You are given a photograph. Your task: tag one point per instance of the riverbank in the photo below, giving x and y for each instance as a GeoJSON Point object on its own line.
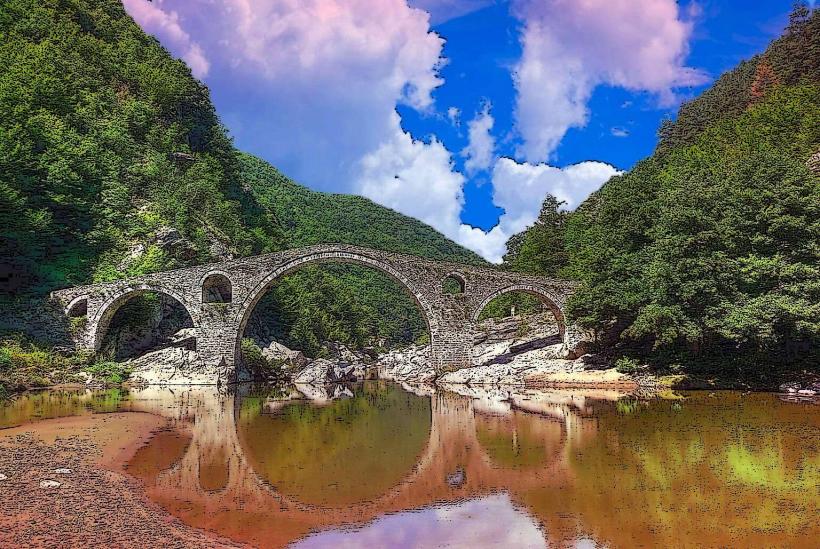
{"type": "Point", "coordinates": [63, 486]}
{"type": "Point", "coordinates": [519, 351]}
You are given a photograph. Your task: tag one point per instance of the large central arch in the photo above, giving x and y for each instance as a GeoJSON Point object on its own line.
{"type": "Point", "coordinates": [261, 289]}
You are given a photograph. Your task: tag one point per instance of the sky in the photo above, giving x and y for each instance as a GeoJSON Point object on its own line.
{"type": "Point", "coordinates": [461, 113]}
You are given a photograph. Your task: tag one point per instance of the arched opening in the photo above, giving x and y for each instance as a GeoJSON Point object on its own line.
{"type": "Point", "coordinates": [454, 284]}
{"type": "Point", "coordinates": [515, 321]}
{"type": "Point", "coordinates": [216, 288]}
{"type": "Point", "coordinates": [342, 307]}
{"type": "Point", "coordinates": [78, 308]}
{"type": "Point", "coordinates": [141, 321]}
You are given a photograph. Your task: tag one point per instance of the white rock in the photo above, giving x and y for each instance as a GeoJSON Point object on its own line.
{"type": "Point", "coordinates": [62, 471]}
{"type": "Point", "coordinates": [3, 477]}
{"type": "Point", "coordinates": [48, 483]}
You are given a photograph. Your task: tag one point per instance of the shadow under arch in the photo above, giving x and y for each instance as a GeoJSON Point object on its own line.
{"type": "Point", "coordinates": [546, 298]}
{"type": "Point", "coordinates": [102, 320]}
{"type": "Point", "coordinates": [246, 310]}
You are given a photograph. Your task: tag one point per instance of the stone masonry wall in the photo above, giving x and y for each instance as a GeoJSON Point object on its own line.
{"type": "Point", "coordinates": [219, 326]}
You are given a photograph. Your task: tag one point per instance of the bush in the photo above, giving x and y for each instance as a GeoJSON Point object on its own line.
{"type": "Point", "coordinates": [25, 364]}
{"type": "Point", "coordinates": [257, 365]}
{"type": "Point", "coordinates": [626, 365]}
{"type": "Point", "coordinates": [110, 372]}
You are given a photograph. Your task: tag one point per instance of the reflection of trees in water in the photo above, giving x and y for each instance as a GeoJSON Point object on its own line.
{"type": "Point", "coordinates": [54, 404]}
{"type": "Point", "coordinates": [739, 471]}
{"type": "Point", "coordinates": [735, 471]}
{"type": "Point", "coordinates": [349, 450]}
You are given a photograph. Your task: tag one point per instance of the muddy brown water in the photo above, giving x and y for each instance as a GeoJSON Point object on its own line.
{"type": "Point", "coordinates": [378, 465]}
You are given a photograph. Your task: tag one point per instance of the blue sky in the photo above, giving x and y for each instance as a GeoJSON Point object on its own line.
{"type": "Point", "coordinates": [462, 113]}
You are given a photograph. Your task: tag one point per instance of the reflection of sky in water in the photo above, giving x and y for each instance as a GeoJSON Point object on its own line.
{"type": "Point", "coordinates": [488, 521]}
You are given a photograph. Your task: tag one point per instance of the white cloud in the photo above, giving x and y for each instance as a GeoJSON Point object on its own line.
{"type": "Point", "coordinates": [569, 48]}
{"type": "Point", "coordinates": [166, 26]}
{"type": "Point", "coordinates": [480, 148]}
{"type": "Point", "coordinates": [617, 131]}
{"type": "Point", "coordinates": [454, 115]}
{"type": "Point", "coordinates": [520, 189]}
{"type": "Point", "coordinates": [324, 77]}
{"type": "Point", "coordinates": [416, 179]}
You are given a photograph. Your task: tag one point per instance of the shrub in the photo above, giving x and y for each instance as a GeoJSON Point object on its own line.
{"type": "Point", "coordinates": [110, 372]}
{"type": "Point", "coordinates": [626, 365]}
{"type": "Point", "coordinates": [259, 366]}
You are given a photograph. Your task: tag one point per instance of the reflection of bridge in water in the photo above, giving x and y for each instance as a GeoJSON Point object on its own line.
{"type": "Point", "coordinates": [479, 443]}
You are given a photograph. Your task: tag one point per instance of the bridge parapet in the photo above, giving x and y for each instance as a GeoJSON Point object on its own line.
{"type": "Point", "coordinates": [220, 323]}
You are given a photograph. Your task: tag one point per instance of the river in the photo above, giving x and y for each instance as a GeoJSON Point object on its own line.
{"type": "Point", "coordinates": [381, 465]}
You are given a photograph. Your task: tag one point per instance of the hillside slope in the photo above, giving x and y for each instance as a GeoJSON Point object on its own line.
{"type": "Point", "coordinates": [311, 217]}
{"type": "Point", "coordinates": [113, 163]}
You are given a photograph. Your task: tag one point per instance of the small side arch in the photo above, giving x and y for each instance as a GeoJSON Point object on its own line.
{"type": "Point", "coordinates": [548, 299]}
{"type": "Point", "coordinates": [100, 323]}
{"type": "Point", "coordinates": [454, 283]}
{"type": "Point", "coordinates": [78, 307]}
{"type": "Point", "coordinates": [216, 287]}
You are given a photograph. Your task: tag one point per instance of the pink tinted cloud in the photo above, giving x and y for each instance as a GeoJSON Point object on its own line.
{"type": "Point", "coordinates": [571, 46]}
{"type": "Point", "coordinates": [165, 25]}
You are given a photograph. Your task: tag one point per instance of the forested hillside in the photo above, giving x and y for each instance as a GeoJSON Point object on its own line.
{"type": "Point", "coordinates": [113, 163]}
{"type": "Point", "coordinates": [707, 254]}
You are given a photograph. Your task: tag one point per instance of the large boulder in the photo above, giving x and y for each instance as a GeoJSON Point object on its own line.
{"type": "Point", "coordinates": [172, 366]}
{"type": "Point", "coordinates": [323, 371]}
{"type": "Point", "coordinates": [413, 364]}
{"type": "Point", "coordinates": [294, 359]}
{"type": "Point", "coordinates": [171, 241]}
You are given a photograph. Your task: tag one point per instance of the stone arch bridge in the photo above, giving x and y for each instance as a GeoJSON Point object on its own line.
{"type": "Point", "coordinates": [220, 298]}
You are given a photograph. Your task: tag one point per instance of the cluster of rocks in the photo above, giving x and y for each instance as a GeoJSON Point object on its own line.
{"type": "Point", "coordinates": [795, 388]}
{"type": "Point", "coordinates": [342, 366]}
{"type": "Point", "coordinates": [511, 352]}
{"type": "Point", "coordinates": [413, 364]}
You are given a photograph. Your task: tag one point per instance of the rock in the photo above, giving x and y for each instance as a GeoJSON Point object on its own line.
{"type": "Point", "coordinates": [173, 366]}
{"type": "Point", "coordinates": [48, 484]}
{"type": "Point", "coordinates": [413, 365]}
{"type": "Point", "coordinates": [456, 478]}
{"type": "Point", "coordinates": [181, 157]}
{"type": "Point", "coordinates": [790, 387]}
{"type": "Point", "coordinates": [172, 242]}
{"type": "Point", "coordinates": [62, 471]}
{"type": "Point", "coordinates": [184, 339]}
{"type": "Point", "coordinates": [85, 377]}
{"type": "Point", "coordinates": [315, 373]}
{"type": "Point", "coordinates": [3, 477]}
{"type": "Point", "coordinates": [807, 392]}
{"type": "Point", "coordinates": [341, 373]}
{"type": "Point", "coordinates": [277, 351]}
{"type": "Point", "coordinates": [323, 371]}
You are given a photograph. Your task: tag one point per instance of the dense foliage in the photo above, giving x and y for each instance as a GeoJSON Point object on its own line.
{"type": "Point", "coordinates": [103, 139]}
{"type": "Point", "coordinates": [709, 251]}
